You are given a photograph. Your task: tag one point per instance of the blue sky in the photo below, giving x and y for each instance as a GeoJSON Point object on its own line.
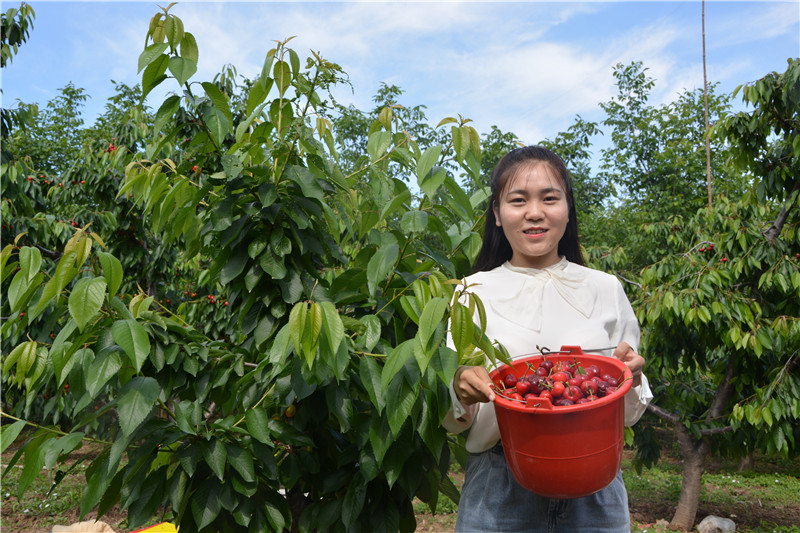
{"type": "Point", "coordinates": [526, 67]}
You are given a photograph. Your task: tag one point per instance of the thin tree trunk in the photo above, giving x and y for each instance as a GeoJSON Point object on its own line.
{"type": "Point", "coordinates": [694, 454]}
{"type": "Point", "coordinates": [705, 96]}
{"type": "Point", "coordinates": [746, 463]}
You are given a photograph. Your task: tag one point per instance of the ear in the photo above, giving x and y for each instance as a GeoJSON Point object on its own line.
{"type": "Point", "coordinates": [496, 212]}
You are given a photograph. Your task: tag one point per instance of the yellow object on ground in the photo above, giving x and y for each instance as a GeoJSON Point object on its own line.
{"type": "Point", "coordinates": [164, 527]}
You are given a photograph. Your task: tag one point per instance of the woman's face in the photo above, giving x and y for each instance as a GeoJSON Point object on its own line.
{"type": "Point", "coordinates": [532, 209]}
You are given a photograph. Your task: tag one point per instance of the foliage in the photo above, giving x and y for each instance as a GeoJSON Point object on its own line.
{"type": "Point", "coordinates": [720, 314]}
{"type": "Point", "coordinates": [15, 29]}
{"type": "Point", "coordinates": [312, 398]}
{"type": "Point", "coordinates": [656, 163]}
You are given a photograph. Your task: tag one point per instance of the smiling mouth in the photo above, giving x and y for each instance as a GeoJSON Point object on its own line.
{"type": "Point", "coordinates": [534, 231]}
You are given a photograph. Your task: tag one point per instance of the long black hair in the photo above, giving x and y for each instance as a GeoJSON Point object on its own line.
{"type": "Point", "coordinates": [495, 249]}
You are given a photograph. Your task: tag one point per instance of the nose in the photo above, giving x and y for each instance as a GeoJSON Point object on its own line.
{"type": "Point", "coordinates": [534, 210]}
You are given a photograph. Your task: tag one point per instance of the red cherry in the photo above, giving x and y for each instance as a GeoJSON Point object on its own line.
{"type": "Point", "coordinates": [588, 387]}
{"type": "Point", "coordinates": [509, 380]}
{"type": "Point", "coordinates": [573, 393]}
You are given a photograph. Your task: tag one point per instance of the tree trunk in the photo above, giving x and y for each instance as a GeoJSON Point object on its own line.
{"type": "Point", "coordinates": [694, 454]}
{"type": "Point", "coordinates": [746, 463]}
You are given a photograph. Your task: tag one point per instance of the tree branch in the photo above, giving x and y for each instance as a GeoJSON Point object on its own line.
{"type": "Point", "coordinates": [777, 226]}
{"type": "Point", "coordinates": [49, 253]}
{"type": "Point", "coordinates": [715, 431]}
{"type": "Point", "coordinates": [723, 392]}
{"type": "Point", "coordinates": [663, 413]}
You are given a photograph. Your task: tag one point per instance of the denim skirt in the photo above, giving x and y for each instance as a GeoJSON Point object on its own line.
{"type": "Point", "coordinates": [492, 502]}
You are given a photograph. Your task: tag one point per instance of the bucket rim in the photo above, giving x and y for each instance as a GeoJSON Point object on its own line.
{"type": "Point", "coordinates": [567, 352]}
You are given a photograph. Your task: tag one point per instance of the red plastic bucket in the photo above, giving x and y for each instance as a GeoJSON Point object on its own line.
{"type": "Point", "coordinates": [567, 451]}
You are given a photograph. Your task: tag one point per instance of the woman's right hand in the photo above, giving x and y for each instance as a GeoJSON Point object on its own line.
{"type": "Point", "coordinates": [472, 384]}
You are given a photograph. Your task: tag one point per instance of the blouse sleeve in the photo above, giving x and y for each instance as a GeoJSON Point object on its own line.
{"type": "Point", "coordinates": [627, 330]}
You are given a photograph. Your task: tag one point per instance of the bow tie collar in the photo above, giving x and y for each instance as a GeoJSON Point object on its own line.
{"type": "Point", "coordinates": [524, 306]}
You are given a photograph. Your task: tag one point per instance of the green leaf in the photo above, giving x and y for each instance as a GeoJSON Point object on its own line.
{"type": "Point", "coordinates": [189, 48]}
{"type": "Point", "coordinates": [22, 352]}
{"type": "Point", "coordinates": [30, 261]}
{"type": "Point", "coordinates": [182, 68]}
{"type": "Point", "coordinates": [461, 328]}
{"type": "Point", "coordinates": [16, 290]}
{"type": "Point", "coordinates": [257, 421]}
{"type": "Point", "coordinates": [173, 29]}
{"type": "Point", "coordinates": [105, 366]}
{"type": "Point", "coordinates": [426, 162]}
{"type": "Point", "coordinates": [373, 332]}
{"type": "Point", "coordinates": [218, 124]}
{"type": "Point", "coordinates": [282, 75]}
{"type": "Point", "coordinates": [166, 112]}
{"type": "Point", "coordinates": [215, 455]}
{"type": "Point", "coordinates": [370, 376]}
{"type": "Point", "coordinates": [395, 361]}
{"type": "Point", "coordinates": [219, 99]}
{"type": "Point", "coordinates": [234, 267]}
{"type": "Point", "coordinates": [401, 396]}
{"type": "Point", "coordinates": [245, 124]}
{"type": "Point", "coordinates": [397, 201]}
{"type": "Point", "coordinates": [188, 416]}
{"type": "Point", "coordinates": [255, 98]}
{"type": "Point", "coordinates": [414, 222]}
{"type": "Point", "coordinates": [241, 460]}
{"type": "Point", "coordinates": [377, 144]}
{"type": "Point", "coordinates": [206, 503]}
{"type": "Point", "coordinates": [430, 319]}
{"type": "Point", "coordinates": [34, 461]}
{"type": "Point", "coordinates": [150, 54]}
{"type": "Point", "coordinates": [112, 272]}
{"type": "Point", "coordinates": [86, 299]}
{"type": "Point", "coordinates": [132, 337]}
{"type": "Point", "coordinates": [381, 264]}
{"type": "Point", "coordinates": [432, 181]}
{"type": "Point", "coordinates": [353, 501]}
{"type": "Point", "coordinates": [154, 74]}
{"type": "Point", "coordinates": [334, 328]}
{"type": "Point", "coordinates": [135, 403]}
{"type": "Point", "coordinates": [9, 433]}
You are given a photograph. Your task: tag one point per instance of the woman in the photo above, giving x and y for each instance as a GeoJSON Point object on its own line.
{"type": "Point", "coordinates": [532, 280]}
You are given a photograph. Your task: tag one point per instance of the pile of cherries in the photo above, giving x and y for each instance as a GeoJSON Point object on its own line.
{"type": "Point", "coordinates": [562, 382]}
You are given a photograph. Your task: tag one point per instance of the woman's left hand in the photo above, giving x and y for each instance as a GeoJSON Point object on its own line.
{"type": "Point", "coordinates": [625, 353]}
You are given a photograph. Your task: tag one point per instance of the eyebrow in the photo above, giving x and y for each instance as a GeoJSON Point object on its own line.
{"type": "Point", "coordinates": [548, 190]}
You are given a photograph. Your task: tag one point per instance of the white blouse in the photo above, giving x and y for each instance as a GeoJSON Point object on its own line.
{"type": "Point", "coordinates": [564, 304]}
